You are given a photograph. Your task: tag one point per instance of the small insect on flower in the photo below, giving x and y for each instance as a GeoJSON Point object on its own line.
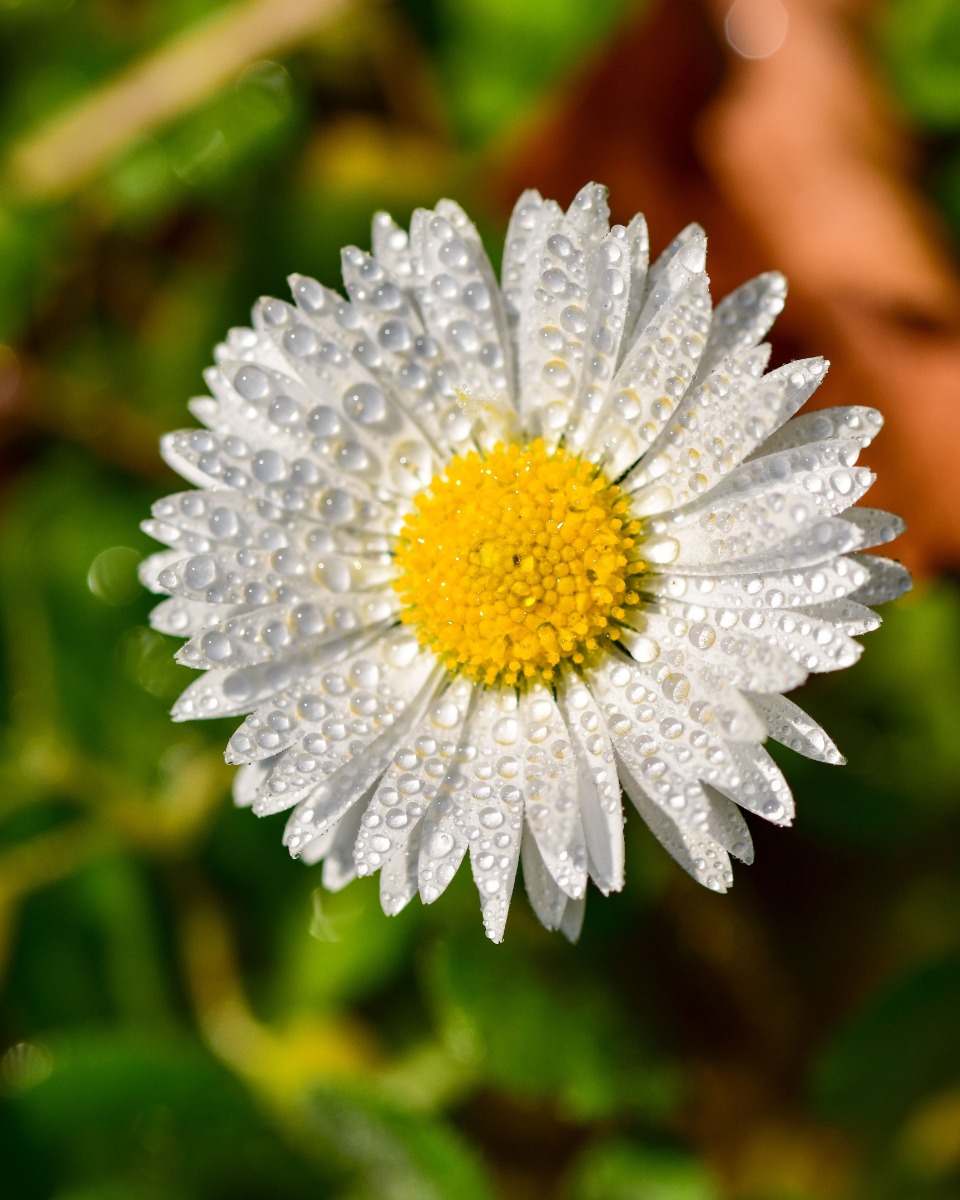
{"type": "Point", "coordinates": [473, 558]}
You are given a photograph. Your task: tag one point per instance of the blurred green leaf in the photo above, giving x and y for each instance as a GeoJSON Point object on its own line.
{"type": "Point", "coordinates": [628, 1171]}
{"type": "Point", "coordinates": [536, 1024]}
{"type": "Point", "coordinates": [64, 546]}
{"type": "Point", "coordinates": [531, 44]}
{"type": "Point", "coordinates": [391, 1154]}
{"type": "Point", "coordinates": [920, 40]}
{"type": "Point", "coordinates": [207, 148]}
{"type": "Point", "coordinates": [342, 948]}
{"type": "Point", "coordinates": [902, 1043]}
{"type": "Point", "coordinates": [99, 927]}
{"type": "Point", "coordinates": [119, 1111]}
{"type": "Point", "coordinates": [31, 242]}
{"type": "Point", "coordinates": [119, 1190]}
{"type": "Point", "coordinates": [891, 711]}
{"type": "Point", "coordinates": [945, 187]}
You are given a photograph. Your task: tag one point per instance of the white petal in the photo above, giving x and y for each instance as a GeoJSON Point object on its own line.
{"type": "Point", "coordinates": [550, 785]}
{"type": "Point", "coordinates": [313, 851]}
{"type": "Point", "coordinates": [682, 262]}
{"type": "Point", "coordinates": [185, 618]}
{"type": "Point", "coordinates": [638, 239]}
{"type": "Point", "coordinates": [442, 844]}
{"type": "Point", "coordinates": [289, 485]}
{"type": "Point", "coordinates": [655, 373]}
{"type": "Point", "coordinates": [525, 233]}
{"type": "Point", "coordinates": [757, 655]}
{"type": "Point", "coordinates": [817, 645]}
{"type": "Point", "coordinates": [875, 526]}
{"type": "Point", "coordinates": [461, 302]}
{"type": "Point", "coordinates": [403, 355]}
{"type": "Point", "coordinates": [329, 352]}
{"type": "Point", "coordinates": [753, 536]}
{"type": "Point", "coordinates": [758, 662]}
{"type": "Point", "coordinates": [493, 824]}
{"type": "Point", "coordinates": [688, 455]}
{"type": "Point", "coordinates": [824, 471]}
{"type": "Point", "coordinates": [472, 798]}
{"type": "Point", "coordinates": [420, 764]}
{"type": "Point", "coordinates": [279, 630]}
{"type": "Point", "coordinates": [245, 576]}
{"type": "Point", "coordinates": [852, 422]}
{"type": "Point", "coordinates": [885, 579]}
{"type": "Point", "coordinates": [399, 876]}
{"type": "Point", "coordinates": [698, 854]}
{"type": "Point", "coordinates": [282, 720]}
{"type": "Point", "coordinates": [338, 865]}
{"type": "Point", "coordinates": [546, 898]}
{"type": "Point", "coordinates": [599, 791]}
{"type": "Point", "coordinates": [847, 615]}
{"type": "Point", "coordinates": [608, 294]}
{"type": "Point", "coordinates": [155, 565]}
{"type": "Point", "coordinates": [712, 702]}
{"type": "Point", "coordinates": [373, 706]}
{"type": "Point", "coordinates": [480, 808]}
{"type": "Point", "coordinates": [328, 803]}
{"type": "Point", "coordinates": [271, 408]}
{"type": "Point", "coordinates": [552, 329]}
{"type": "Point", "coordinates": [721, 422]}
{"type": "Point", "coordinates": [791, 726]}
{"type": "Point", "coordinates": [762, 788]}
{"type": "Point", "coordinates": [668, 739]}
{"type": "Point", "coordinates": [249, 344]}
{"type": "Point", "coordinates": [391, 245]}
{"type": "Point", "coordinates": [742, 319]}
{"type": "Point", "coordinates": [247, 782]}
{"type": "Point", "coordinates": [571, 925]}
{"type": "Point", "coordinates": [589, 215]}
{"type": "Point", "coordinates": [725, 824]}
{"type": "Point", "coordinates": [275, 726]}
{"type": "Point", "coordinates": [796, 586]}
{"type": "Point", "coordinates": [230, 693]}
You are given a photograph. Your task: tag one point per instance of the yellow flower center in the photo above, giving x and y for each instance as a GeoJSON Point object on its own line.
{"type": "Point", "coordinates": [513, 561]}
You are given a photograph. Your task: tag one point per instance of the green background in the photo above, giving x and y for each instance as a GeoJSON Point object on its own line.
{"type": "Point", "coordinates": [184, 1013]}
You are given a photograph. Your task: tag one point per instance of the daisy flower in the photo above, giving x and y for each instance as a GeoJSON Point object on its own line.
{"type": "Point", "coordinates": [472, 558]}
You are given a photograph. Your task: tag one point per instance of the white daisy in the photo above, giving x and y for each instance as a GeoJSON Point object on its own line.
{"type": "Point", "coordinates": [474, 558]}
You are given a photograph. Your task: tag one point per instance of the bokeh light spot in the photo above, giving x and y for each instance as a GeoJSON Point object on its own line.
{"type": "Point", "coordinates": [756, 28]}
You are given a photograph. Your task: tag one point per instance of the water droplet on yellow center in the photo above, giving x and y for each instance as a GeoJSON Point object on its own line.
{"type": "Point", "coordinates": [512, 562]}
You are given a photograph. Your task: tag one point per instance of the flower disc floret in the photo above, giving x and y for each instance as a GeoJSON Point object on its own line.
{"type": "Point", "coordinates": [514, 561]}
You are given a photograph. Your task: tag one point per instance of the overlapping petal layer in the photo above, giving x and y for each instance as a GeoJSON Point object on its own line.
{"type": "Point", "coordinates": [330, 416]}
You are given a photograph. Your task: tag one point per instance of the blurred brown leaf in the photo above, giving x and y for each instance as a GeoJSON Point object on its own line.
{"type": "Point", "coordinates": [796, 161]}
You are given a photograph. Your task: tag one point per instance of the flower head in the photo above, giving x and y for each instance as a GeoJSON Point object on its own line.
{"type": "Point", "coordinates": [472, 559]}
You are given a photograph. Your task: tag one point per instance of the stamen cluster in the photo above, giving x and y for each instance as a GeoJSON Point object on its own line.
{"type": "Point", "coordinates": [513, 561]}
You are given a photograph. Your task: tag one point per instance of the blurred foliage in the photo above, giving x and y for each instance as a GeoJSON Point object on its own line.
{"type": "Point", "coordinates": [184, 1013]}
{"type": "Point", "coordinates": [919, 44]}
{"type": "Point", "coordinates": [921, 40]}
